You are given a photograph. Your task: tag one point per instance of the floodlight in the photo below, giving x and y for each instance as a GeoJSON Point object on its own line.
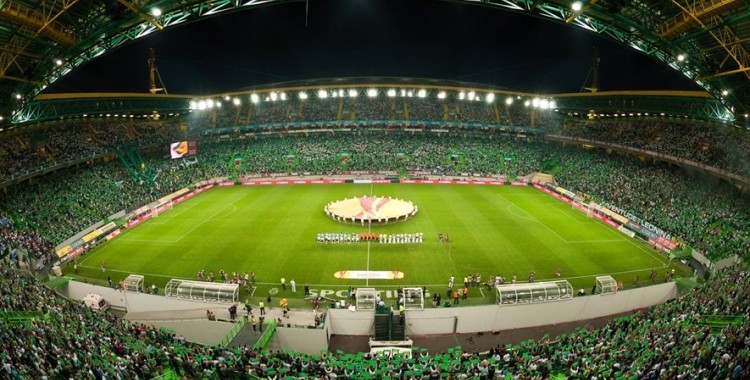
{"type": "Point", "coordinates": [322, 94]}
{"type": "Point", "coordinates": [1, 118]}
{"type": "Point", "coordinates": [236, 101]}
{"type": "Point", "coordinates": [209, 103]}
{"type": "Point", "coordinates": [441, 95]}
{"type": "Point", "coordinates": [58, 62]}
{"type": "Point", "coordinates": [283, 96]}
{"type": "Point", "coordinates": [535, 102]}
{"type": "Point", "coordinates": [461, 95]}
{"type": "Point", "coordinates": [725, 92]}
{"type": "Point", "coordinates": [391, 93]}
{"type": "Point", "coordinates": [372, 93]}
{"type": "Point", "coordinates": [410, 93]}
{"type": "Point", "coordinates": [681, 57]}
{"type": "Point", "coordinates": [334, 94]}
{"type": "Point", "coordinates": [18, 96]}
{"type": "Point", "coordinates": [156, 12]}
{"type": "Point", "coordinates": [576, 6]}
{"type": "Point", "coordinates": [341, 93]}
{"type": "Point", "coordinates": [353, 93]}
{"type": "Point", "coordinates": [544, 104]}
{"type": "Point", "coordinates": [403, 93]}
{"type": "Point", "coordinates": [274, 96]}
{"type": "Point", "coordinates": [302, 95]}
{"type": "Point", "coordinates": [254, 98]}
{"type": "Point", "coordinates": [193, 104]}
{"type": "Point", "coordinates": [201, 105]}
{"type": "Point", "coordinates": [552, 104]}
{"type": "Point", "coordinates": [471, 95]}
{"type": "Point", "coordinates": [746, 115]}
{"type": "Point", "coordinates": [108, 115]}
{"type": "Point", "coordinates": [218, 104]}
{"type": "Point", "coordinates": [422, 93]}
{"type": "Point", "coordinates": [526, 103]}
{"type": "Point", "coordinates": [226, 98]}
{"type": "Point", "coordinates": [509, 100]}
{"type": "Point", "coordinates": [490, 98]}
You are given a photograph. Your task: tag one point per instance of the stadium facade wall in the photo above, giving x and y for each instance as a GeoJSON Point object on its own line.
{"type": "Point", "coordinates": [345, 322]}
{"type": "Point", "coordinates": [134, 302]}
{"type": "Point", "coordinates": [494, 318]}
{"type": "Point", "coordinates": [307, 340]}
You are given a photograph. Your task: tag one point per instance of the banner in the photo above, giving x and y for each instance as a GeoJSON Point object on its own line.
{"type": "Point", "coordinates": [373, 275]}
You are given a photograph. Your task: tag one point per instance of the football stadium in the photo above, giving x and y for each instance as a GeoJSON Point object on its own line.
{"type": "Point", "coordinates": [495, 189]}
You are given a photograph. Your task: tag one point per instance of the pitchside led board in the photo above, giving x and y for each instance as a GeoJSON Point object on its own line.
{"type": "Point", "coordinates": [182, 149]}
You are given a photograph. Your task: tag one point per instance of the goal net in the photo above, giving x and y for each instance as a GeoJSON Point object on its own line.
{"type": "Point", "coordinates": [160, 208]}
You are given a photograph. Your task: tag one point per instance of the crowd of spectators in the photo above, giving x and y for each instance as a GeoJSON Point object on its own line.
{"type": "Point", "coordinates": [714, 145]}
{"type": "Point", "coordinates": [58, 339]}
{"type": "Point", "coordinates": [38, 147]}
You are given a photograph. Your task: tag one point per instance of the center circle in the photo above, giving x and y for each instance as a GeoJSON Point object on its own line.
{"type": "Point", "coordinates": [371, 209]}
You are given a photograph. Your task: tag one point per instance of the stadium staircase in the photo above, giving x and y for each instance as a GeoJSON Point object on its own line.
{"type": "Point", "coordinates": [388, 325]}
{"type": "Point", "coordinates": [131, 159]}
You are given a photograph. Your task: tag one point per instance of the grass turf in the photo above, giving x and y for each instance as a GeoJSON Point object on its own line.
{"type": "Point", "coordinates": [272, 230]}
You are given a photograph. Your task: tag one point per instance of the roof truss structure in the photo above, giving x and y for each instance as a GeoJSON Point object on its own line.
{"type": "Point", "coordinates": [706, 40]}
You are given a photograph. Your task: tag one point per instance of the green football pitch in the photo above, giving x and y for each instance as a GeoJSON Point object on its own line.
{"type": "Point", "coordinates": [272, 231]}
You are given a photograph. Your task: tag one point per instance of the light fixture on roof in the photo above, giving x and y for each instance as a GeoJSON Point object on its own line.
{"type": "Point", "coordinates": [218, 104]}
{"type": "Point", "coordinates": [422, 93]}
{"type": "Point", "coordinates": [209, 103]}
{"type": "Point", "coordinates": [391, 93]}
{"type": "Point", "coordinates": [442, 95]}
{"type": "Point", "coordinates": [254, 98]}
{"type": "Point", "coordinates": [236, 101]}
{"type": "Point", "coordinates": [156, 12]}
{"type": "Point", "coordinates": [576, 6]}
{"type": "Point", "coordinates": [353, 93]}
{"type": "Point", "coordinates": [526, 103]}
{"type": "Point", "coordinates": [490, 98]}
{"type": "Point", "coordinates": [509, 100]}
{"type": "Point", "coordinates": [461, 95]}
{"type": "Point", "coordinates": [471, 95]}
{"type": "Point", "coordinates": [302, 95]}
{"type": "Point", "coordinates": [18, 96]}
{"type": "Point", "coordinates": [58, 62]}
{"type": "Point", "coordinates": [535, 102]}
{"type": "Point", "coordinates": [724, 92]}
{"type": "Point", "coordinates": [341, 93]}
{"type": "Point", "coordinates": [282, 95]}
{"type": "Point", "coordinates": [372, 93]}
{"type": "Point", "coordinates": [274, 96]}
{"type": "Point", "coordinates": [322, 94]}
{"type": "Point", "coordinates": [681, 57]}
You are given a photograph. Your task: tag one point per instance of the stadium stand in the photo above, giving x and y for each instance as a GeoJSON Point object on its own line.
{"type": "Point", "coordinates": [48, 337]}
{"type": "Point", "coordinates": [708, 215]}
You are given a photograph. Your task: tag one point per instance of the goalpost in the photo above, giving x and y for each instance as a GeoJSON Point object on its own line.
{"type": "Point", "coordinates": [164, 207]}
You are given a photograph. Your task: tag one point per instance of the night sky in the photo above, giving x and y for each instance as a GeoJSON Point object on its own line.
{"type": "Point", "coordinates": [400, 38]}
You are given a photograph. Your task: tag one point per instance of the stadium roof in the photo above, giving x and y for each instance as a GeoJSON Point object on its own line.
{"type": "Point", "coordinates": [708, 41]}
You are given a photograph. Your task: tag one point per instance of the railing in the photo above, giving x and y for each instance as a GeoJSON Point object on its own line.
{"type": "Point", "coordinates": [233, 332]}
{"type": "Point", "coordinates": [265, 339]}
